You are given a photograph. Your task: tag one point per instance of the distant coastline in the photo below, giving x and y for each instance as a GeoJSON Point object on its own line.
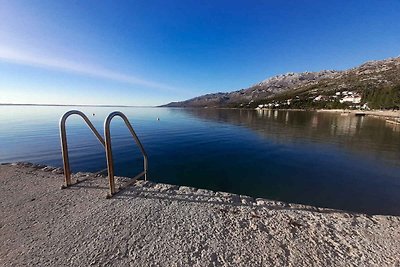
{"type": "Point", "coordinates": [373, 112]}
{"type": "Point", "coordinates": [77, 105]}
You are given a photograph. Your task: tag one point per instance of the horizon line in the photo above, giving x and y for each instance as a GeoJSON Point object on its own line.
{"type": "Point", "coordinates": [73, 105]}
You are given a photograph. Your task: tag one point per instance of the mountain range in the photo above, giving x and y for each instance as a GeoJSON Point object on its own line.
{"type": "Point", "coordinates": [377, 83]}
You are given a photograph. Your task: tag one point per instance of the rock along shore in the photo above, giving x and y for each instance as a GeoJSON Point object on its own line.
{"type": "Point", "coordinates": [151, 224]}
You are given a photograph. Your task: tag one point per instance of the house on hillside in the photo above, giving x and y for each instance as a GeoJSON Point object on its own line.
{"type": "Point", "coordinates": [319, 98]}
{"type": "Point", "coordinates": [353, 98]}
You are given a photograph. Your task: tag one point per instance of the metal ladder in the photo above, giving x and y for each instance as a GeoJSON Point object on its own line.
{"type": "Point", "coordinates": [106, 144]}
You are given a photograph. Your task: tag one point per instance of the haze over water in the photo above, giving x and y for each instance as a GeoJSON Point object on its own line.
{"type": "Point", "coordinates": [328, 160]}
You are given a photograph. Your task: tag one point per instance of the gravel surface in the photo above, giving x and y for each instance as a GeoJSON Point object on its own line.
{"type": "Point", "coordinates": [152, 224]}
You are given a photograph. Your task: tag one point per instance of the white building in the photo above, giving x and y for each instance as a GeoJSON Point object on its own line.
{"type": "Point", "coordinates": [355, 99]}
{"type": "Point", "coordinates": [318, 98]}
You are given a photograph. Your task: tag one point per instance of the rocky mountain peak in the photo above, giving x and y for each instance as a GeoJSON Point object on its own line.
{"type": "Point", "coordinates": [370, 75]}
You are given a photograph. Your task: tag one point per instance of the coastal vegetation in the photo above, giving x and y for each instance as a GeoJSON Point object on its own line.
{"type": "Point", "coordinates": [383, 98]}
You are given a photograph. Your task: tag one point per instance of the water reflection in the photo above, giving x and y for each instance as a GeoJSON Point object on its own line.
{"type": "Point", "coordinates": [369, 136]}
{"type": "Point", "coordinates": [394, 126]}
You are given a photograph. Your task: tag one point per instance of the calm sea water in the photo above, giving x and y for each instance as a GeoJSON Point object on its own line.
{"type": "Point", "coordinates": [322, 159]}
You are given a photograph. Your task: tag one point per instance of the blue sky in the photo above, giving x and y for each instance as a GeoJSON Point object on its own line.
{"type": "Point", "coordinates": [154, 52]}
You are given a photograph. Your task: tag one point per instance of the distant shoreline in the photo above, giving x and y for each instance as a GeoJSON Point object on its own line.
{"type": "Point", "coordinates": [78, 105]}
{"type": "Point", "coordinates": [377, 113]}
{"type": "Point", "coordinates": [383, 114]}
{"type": "Point", "coordinates": [374, 113]}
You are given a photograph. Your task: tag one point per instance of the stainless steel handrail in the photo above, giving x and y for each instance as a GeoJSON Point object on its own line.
{"type": "Point", "coordinates": [110, 163]}
{"type": "Point", "coordinates": [64, 144]}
